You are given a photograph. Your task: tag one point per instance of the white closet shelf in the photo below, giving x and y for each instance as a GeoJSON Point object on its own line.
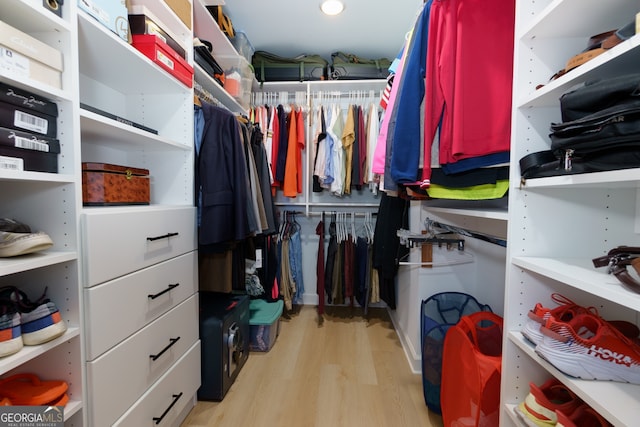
{"type": "Point", "coordinates": [580, 274]}
{"type": "Point", "coordinates": [32, 261]}
{"type": "Point", "coordinates": [600, 395]}
{"type": "Point", "coordinates": [44, 177]}
{"type": "Point", "coordinates": [624, 178]}
{"type": "Point", "coordinates": [102, 52]}
{"type": "Point", "coordinates": [31, 16]}
{"type": "Point", "coordinates": [98, 129]}
{"type": "Point", "coordinates": [496, 214]}
{"type": "Point", "coordinates": [552, 21]}
{"type": "Point", "coordinates": [205, 28]}
{"type": "Point", "coordinates": [31, 351]}
{"type": "Point", "coordinates": [623, 58]}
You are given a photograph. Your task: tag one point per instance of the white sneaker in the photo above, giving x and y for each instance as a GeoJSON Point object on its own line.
{"type": "Point", "coordinates": [14, 244]}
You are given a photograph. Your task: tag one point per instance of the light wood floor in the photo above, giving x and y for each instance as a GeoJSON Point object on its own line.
{"type": "Point", "coordinates": [348, 372]}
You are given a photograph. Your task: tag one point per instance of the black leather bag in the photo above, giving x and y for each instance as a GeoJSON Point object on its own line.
{"type": "Point", "coordinates": [600, 131]}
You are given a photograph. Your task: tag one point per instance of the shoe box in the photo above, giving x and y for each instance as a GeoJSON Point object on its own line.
{"type": "Point", "coordinates": [161, 54]}
{"type": "Point", "coordinates": [24, 56]}
{"type": "Point", "coordinates": [28, 129]}
{"type": "Point", "coordinates": [224, 338]}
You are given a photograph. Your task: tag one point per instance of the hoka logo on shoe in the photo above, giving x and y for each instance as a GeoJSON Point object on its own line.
{"type": "Point", "coordinates": [608, 355]}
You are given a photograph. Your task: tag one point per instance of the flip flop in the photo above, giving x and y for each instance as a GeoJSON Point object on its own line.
{"type": "Point", "coordinates": [28, 389]}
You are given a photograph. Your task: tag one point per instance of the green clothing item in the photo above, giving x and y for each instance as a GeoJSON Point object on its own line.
{"type": "Point", "coordinates": [475, 192]}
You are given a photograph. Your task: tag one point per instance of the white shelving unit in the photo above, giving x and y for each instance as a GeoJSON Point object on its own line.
{"type": "Point", "coordinates": [558, 225]}
{"type": "Point", "coordinates": [139, 260]}
{"type": "Point", "coordinates": [49, 202]}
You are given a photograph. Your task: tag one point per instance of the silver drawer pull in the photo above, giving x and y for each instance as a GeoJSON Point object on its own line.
{"type": "Point", "coordinates": [155, 357]}
{"type": "Point", "coordinates": [166, 236]}
{"type": "Point", "coordinates": [150, 296]}
{"type": "Point", "coordinates": [176, 397]}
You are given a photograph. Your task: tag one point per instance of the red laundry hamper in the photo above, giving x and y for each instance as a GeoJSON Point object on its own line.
{"type": "Point", "coordinates": [471, 367]}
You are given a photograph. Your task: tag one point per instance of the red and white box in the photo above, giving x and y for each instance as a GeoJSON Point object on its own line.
{"type": "Point", "coordinates": [159, 52]}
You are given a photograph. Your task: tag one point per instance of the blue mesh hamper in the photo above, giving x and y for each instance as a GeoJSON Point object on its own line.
{"type": "Point", "coordinates": [437, 314]}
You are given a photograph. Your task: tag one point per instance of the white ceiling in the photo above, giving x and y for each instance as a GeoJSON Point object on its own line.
{"type": "Point", "coordinates": [366, 28]}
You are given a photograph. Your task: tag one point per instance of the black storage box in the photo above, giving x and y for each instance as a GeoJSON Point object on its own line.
{"type": "Point", "coordinates": [28, 151]}
{"type": "Point", "coordinates": [27, 112]}
{"type": "Point", "coordinates": [272, 68]}
{"type": "Point", "coordinates": [224, 339]}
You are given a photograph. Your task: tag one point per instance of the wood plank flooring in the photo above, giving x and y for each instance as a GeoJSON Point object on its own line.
{"type": "Point", "coordinates": [347, 371]}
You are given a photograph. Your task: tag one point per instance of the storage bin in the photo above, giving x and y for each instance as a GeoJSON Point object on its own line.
{"type": "Point", "coordinates": [243, 46]}
{"type": "Point", "coordinates": [238, 78]}
{"type": "Point", "coordinates": [264, 321]}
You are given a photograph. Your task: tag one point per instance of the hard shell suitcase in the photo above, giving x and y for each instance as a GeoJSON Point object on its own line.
{"type": "Point", "coordinates": [272, 68]}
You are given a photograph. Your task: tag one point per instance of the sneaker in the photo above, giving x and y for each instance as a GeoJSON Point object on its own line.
{"type": "Point", "coordinates": [14, 244]}
{"type": "Point", "coordinates": [588, 347]}
{"type": "Point", "coordinates": [584, 416]}
{"type": "Point", "coordinates": [541, 404]}
{"type": "Point", "coordinates": [40, 320]}
{"type": "Point", "coordinates": [563, 313]}
{"type": "Point", "coordinates": [13, 226]}
{"type": "Point", "coordinates": [10, 331]}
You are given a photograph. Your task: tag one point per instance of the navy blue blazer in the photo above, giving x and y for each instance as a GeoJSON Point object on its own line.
{"type": "Point", "coordinates": [221, 176]}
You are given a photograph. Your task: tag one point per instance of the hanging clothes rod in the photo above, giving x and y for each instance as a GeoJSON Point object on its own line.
{"type": "Point", "coordinates": [357, 214]}
{"type": "Point", "coordinates": [430, 224]}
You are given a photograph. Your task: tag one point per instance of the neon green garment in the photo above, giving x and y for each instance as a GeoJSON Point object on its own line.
{"type": "Point", "coordinates": [474, 192]}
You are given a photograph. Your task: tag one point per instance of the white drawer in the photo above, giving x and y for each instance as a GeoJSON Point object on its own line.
{"type": "Point", "coordinates": [118, 308]}
{"type": "Point", "coordinates": [168, 397]}
{"type": "Point", "coordinates": [121, 240]}
{"type": "Point", "coordinates": [119, 377]}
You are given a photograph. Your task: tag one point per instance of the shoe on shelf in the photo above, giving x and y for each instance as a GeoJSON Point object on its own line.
{"type": "Point", "coordinates": [588, 347]}
{"type": "Point", "coordinates": [583, 416]}
{"type": "Point", "coordinates": [40, 321]}
{"type": "Point", "coordinates": [13, 226]}
{"type": "Point", "coordinates": [565, 311]}
{"type": "Point", "coordinates": [10, 330]}
{"type": "Point", "coordinates": [540, 406]}
{"type": "Point", "coordinates": [17, 238]}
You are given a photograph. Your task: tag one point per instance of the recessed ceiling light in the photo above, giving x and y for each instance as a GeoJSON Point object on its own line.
{"type": "Point", "coordinates": [332, 7]}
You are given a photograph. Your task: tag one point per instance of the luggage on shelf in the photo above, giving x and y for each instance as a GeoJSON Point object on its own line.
{"type": "Point", "coordinates": [346, 66]}
{"type": "Point", "coordinates": [273, 68]}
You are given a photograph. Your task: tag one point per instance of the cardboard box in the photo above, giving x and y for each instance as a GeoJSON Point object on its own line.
{"type": "Point", "coordinates": [27, 57]}
{"type": "Point", "coordinates": [113, 14]}
{"type": "Point", "coordinates": [105, 184]}
{"type": "Point", "coordinates": [28, 151]}
{"type": "Point", "coordinates": [160, 53]}
{"type": "Point", "coordinates": [182, 8]}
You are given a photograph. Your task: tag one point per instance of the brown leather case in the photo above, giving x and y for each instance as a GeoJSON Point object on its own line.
{"type": "Point", "coordinates": [105, 184]}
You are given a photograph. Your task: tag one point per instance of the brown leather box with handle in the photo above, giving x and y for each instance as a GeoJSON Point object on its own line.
{"type": "Point", "coordinates": [105, 184]}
